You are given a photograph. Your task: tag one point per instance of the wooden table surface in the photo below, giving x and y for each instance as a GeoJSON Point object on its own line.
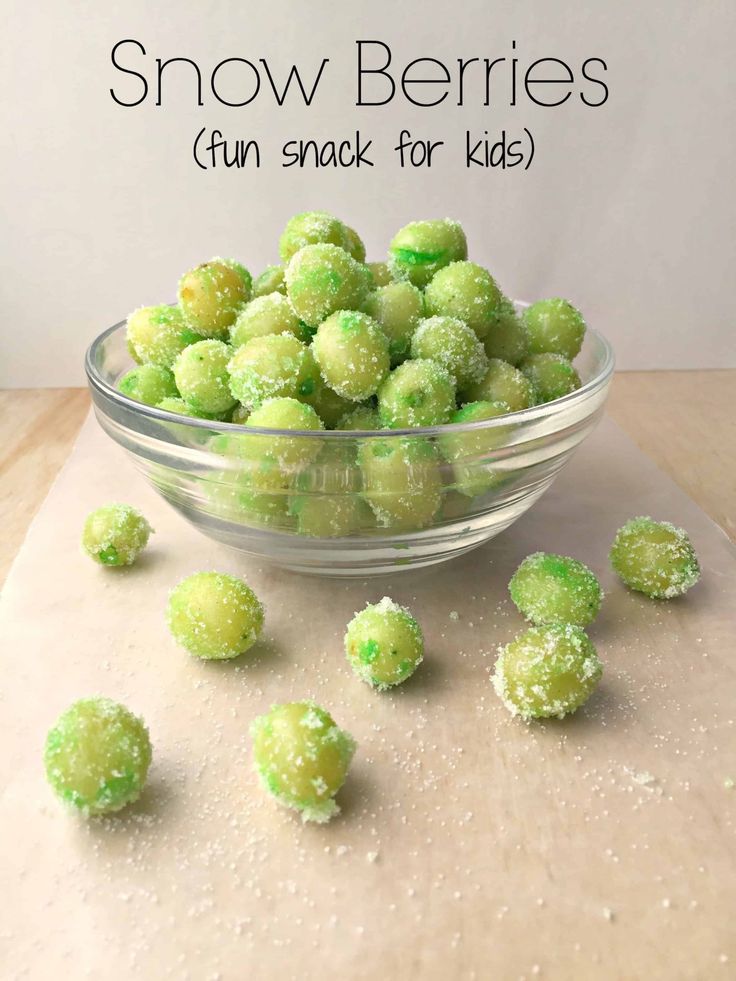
{"type": "Point", "coordinates": [682, 419]}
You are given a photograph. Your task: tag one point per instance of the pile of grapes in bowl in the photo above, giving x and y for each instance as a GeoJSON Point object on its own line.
{"type": "Point", "coordinates": [350, 418]}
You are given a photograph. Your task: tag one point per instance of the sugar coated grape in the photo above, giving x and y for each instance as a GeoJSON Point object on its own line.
{"type": "Point", "coordinates": [507, 338]}
{"type": "Point", "coordinates": [384, 644]}
{"type": "Point", "coordinates": [655, 558]}
{"type": "Point", "coordinates": [550, 588]}
{"type": "Point", "coordinates": [327, 503]}
{"type": "Point", "coordinates": [551, 375]}
{"type": "Point", "coordinates": [287, 453]}
{"type": "Point", "coordinates": [401, 481]}
{"type": "Point", "coordinates": [451, 343]}
{"type": "Point", "coordinates": [397, 309]}
{"type": "Point", "coordinates": [211, 296]}
{"type": "Point", "coordinates": [547, 672]}
{"type": "Point", "coordinates": [417, 393]}
{"type": "Point", "coordinates": [353, 244]}
{"type": "Point", "coordinates": [467, 452]}
{"type": "Point", "coordinates": [302, 757]}
{"type": "Point", "coordinates": [328, 405]}
{"type": "Point", "coordinates": [157, 335]}
{"type": "Point", "coordinates": [97, 756]}
{"type": "Point", "coordinates": [310, 228]}
{"type": "Point", "coordinates": [466, 291]}
{"type": "Point", "coordinates": [176, 404]}
{"type": "Point", "coordinates": [380, 274]}
{"type": "Point", "coordinates": [202, 377]}
{"type": "Point", "coordinates": [214, 616]}
{"type": "Point", "coordinates": [148, 383]}
{"type": "Point", "coordinates": [271, 280]}
{"type": "Point", "coordinates": [270, 314]}
{"type": "Point", "coordinates": [115, 534]}
{"type": "Point", "coordinates": [554, 327]}
{"type": "Point", "coordinates": [362, 417]}
{"type": "Point", "coordinates": [321, 279]}
{"type": "Point", "coordinates": [502, 383]}
{"type": "Point", "coordinates": [275, 365]}
{"type": "Point", "coordinates": [421, 248]}
{"type": "Point", "coordinates": [352, 354]}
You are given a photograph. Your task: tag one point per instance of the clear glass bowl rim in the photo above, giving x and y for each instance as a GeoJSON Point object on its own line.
{"type": "Point", "coordinates": [532, 414]}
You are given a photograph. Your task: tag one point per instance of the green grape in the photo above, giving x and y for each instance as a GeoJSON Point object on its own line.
{"type": "Point", "coordinates": [352, 354]}
{"type": "Point", "coordinates": [321, 279]}
{"type": "Point", "coordinates": [551, 375]}
{"type": "Point", "coordinates": [467, 452]}
{"type": "Point", "coordinates": [550, 588]}
{"type": "Point", "coordinates": [380, 274]}
{"type": "Point", "coordinates": [97, 756]}
{"type": "Point", "coordinates": [554, 327]}
{"type": "Point", "coordinates": [328, 405]}
{"type": "Point", "coordinates": [401, 481]}
{"type": "Point", "coordinates": [302, 758]}
{"type": "Point", "coordinates": [157, 335]}
{"type": "Point", "coordinates": [507, 338]}
{"type": "Point", "coordinates": [547, 672]}
{"type": "Point", "coordinates": [288, 454]}
{"type": "Point", "coordinates": [502, 383]}
{"type": "Point", "coordinates": [327, 503]}
{"type": "Point", "coordinates": [202, 377]}
{"type": "Point", "coordinates": [353, 244]}
{"type": "Point", "coordinates": [363, 418]}
{"type": "Point", "coordinates": [397, 309]}
{"type": "Point", "coordinates": [417, 393]}
{"type": "Point", "coordinates": [272, 366]}
{"type": "Point", "coordinates": [270, 314]}
{"type": "Point", "coordinates": [176, 404]}
{"type": "Point", "coordinates": [115, 534]}
{"type": "Point", "coordinates": [384, 644]}
{"type": "Point", "coordinates": [655, 558]}
{"type": "Point", "coordinates": [211, 296]}
{"type": "Point", "coordinates": [451, 343]}
{"type": "Point", "coordinates": [421, 248]}
{"type": "Point", "coordinates": [214, 616]}
{"type": "Point", "coordinates": [466, 291]}
{"type": "Point", "coordinates": [148, 383]}
{"type": "Point", "coordinates": [310, 228]}
{"type": "Point", "coordinates": [271, 280]}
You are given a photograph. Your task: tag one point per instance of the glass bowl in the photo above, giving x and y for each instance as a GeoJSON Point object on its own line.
{"type": "Point", "coordinates": [350, 503]}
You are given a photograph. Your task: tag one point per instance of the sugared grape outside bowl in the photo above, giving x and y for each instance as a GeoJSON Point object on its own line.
{"type": "Point", "coordinates": [357, 503]}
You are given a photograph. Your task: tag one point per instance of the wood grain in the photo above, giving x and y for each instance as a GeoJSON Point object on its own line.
{"type": "Point", "coordinates": [682, 419]}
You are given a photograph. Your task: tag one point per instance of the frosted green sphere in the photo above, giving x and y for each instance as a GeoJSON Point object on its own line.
{"type": "Point", "coordinates": [352, 354]}
{"type": "Point", "coordinates": [507, 338]}
{"type": "Point", "coordinates": [421, 248]}
{"type": "Point", "coordinates": [328, 405]}
{"type": "Point", "coordinates": [176, 404]}
{"type": "Point", "coordinates": [148, 383]}
{"type": "Point", "coordinates": [655, 558]}
{"type": "Point", "coordinates": [353, 244]}
{"type": "Point", "coordinates": [384, 644]}
{"type": "Point", "coordinates": [202, 377]}
{"type": "Point", "coordinates": [271, 280]}
{"type": "Point", "coordinates": [97, 756]}
{"type": "Point", "coordinates": [214, 616]}
{"type": "Point", "coordinates": [451, 343]}
{"type": "Point", "coordinates": [551, 375]}
{"type": "Point", "coordinates": [466, 291]}
{"type": "Point", "coordinates": [401, 481]}
{"type": "Point", "coordinates": [321, 279]}
{"type": "Point", "coordinates": [549, 588]}
{"type": "Point", "coordinates": [547, 672]}
{"type": "Point", "coordinates": [302, 758]}
{"type": "Point", "coordinates": [159, 334]}
{"type": "Point", "coordinates": [380, 274]}
{"type": "Point", "coordinates": [211, 296]}
{"type": "Point", "coordinates": [468, 452]}
{"type": "Point", "coordinates": [270, 314]}
{"type": "Point", "coordinates": [273, 366]}
{"type": "Point", "coordinates": [417, 393]}
{"type": "Point", "coordinates": [502, 383]}
{"type": "Point", "coordinates": [287, 453]}
{"type": "Point", "coordinates": [363, 418]}
{"type": "Point", "coordinates": [397, 309]}
{"type": "Point", "coordinates": [327, 503]}
{"type": "Point", "coordinates": [115, 534]}
{"type": "Point", "coordinates": [554, 327]}
{"type": "Point", "coordinates": [310, 228]}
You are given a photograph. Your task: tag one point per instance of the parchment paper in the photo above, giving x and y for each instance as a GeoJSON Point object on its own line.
{"type": "Point", "coordinates": [469, 844]}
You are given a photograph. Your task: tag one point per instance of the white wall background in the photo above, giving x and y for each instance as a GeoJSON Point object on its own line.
{"type": "Point", "coordinates": [629, 210]}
